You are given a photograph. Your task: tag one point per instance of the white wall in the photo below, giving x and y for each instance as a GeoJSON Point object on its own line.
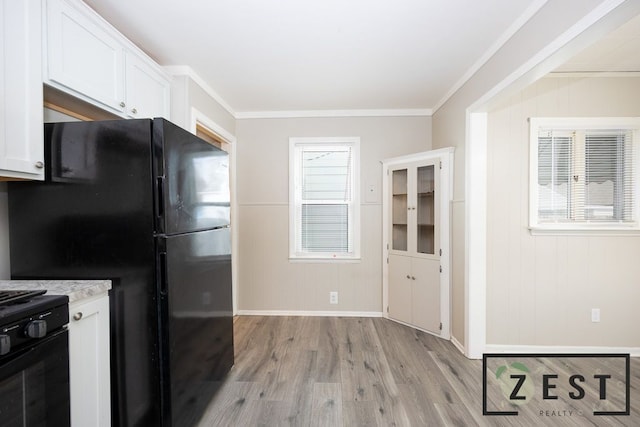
{"type": "Point", "coordinates": [267, 281]}
{"type": "Point", "coordinates": [559, 29]}
{"type": "Point", "coordinates": [541, 289]}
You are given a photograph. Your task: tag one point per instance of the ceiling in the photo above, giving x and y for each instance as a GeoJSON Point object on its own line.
{"type": "Point", "coordinates": [309, 55]}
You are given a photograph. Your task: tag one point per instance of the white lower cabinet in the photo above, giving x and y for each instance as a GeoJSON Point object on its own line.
{"type": "Point", "coordinates": [89, 362]}
{"type": "Point", "coordinates": [413, 290]}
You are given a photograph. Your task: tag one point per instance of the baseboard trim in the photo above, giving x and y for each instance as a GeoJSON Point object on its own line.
{"type": "Point", "coordinates": [499, 348]}
{"type": "Point", "coordinates": [309, 313]}
{"type": "Point", "coordinates": [457, 344]}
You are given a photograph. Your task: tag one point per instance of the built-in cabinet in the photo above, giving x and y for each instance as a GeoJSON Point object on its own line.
{"type": "Point", "coordinates": [21, 132]}
{"type": "Point", "coordinates": [416, 239]}
{"type": "Point", "coordinates": [89, 362]}
{"type": "Point", "coordinates": [88, 58]}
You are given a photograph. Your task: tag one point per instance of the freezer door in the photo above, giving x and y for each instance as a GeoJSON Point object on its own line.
{"type": "Point", "coordinates": [192, 179]}
{"type": "Point", "coordinates": [196, 320]}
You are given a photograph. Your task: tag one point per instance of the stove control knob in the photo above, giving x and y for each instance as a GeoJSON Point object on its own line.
{"type": "Point", "coordinates": [5, 344]}
{"type": "Point", "coordinates": [36, 329]}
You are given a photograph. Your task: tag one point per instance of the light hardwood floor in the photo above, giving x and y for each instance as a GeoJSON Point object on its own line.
{"type": "Point", "coordinates": [328, 371]}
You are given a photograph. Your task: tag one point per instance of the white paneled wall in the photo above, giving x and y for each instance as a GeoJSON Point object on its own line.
{"type": "Point", "coordinates": [541, 289]}
{"type": "Point", "coordinates": [267, 280]}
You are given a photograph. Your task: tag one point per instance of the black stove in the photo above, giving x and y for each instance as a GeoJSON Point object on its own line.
{"type": "Point", "coordinates": [9, 297]}
{"type": "Point", "coordinates": [29, 315]}
{"type": "Point", "coordinates": [34, 359]}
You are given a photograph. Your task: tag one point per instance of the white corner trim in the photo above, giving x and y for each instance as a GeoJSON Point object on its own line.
{"type": "Point", "coordinates": [499, 43]}
{"type": "Point", "coordinates": [185, 70]}
{"type": "Point", "coordinates": [475, 274]}
{"type": "Point", "coordinates": [309, 313]}
{"type": "Point", "coordinates": [505, 348]}
{"type": "Point", "coordinates": [295, 114]}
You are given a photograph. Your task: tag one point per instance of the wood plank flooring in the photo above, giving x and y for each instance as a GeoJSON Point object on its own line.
{"type": "Point", "coordinates": [328, 371]}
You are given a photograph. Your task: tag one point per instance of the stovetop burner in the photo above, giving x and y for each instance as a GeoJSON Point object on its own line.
{"type": "Point", "coordinates": [12, 297]}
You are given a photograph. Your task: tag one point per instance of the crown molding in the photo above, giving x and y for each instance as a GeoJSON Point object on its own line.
{"type": "Point", "coordinates": [185, 70]}
{"type": "Point", "coordinates": [333, 113]}
{"type": "Point", "coordinates": [590, 74]}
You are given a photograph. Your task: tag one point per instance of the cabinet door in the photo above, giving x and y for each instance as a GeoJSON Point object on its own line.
{"type": "Point", "coordinates": [82, 56]}
{"type": "Point", "coordinates": [147, 90]}
{"type": "Point", "coordinates": [426, 225]}
{"type": "Point", "coordinates": [425, 282]}
{"type": "Point", "coordinates": [89, 363]}
{"type": "Point", "coordinates": [21, 133]}
{"type": "Point", "coordinates": [400, 297]}
{"type": "Point", "coordinates": [400, 208]}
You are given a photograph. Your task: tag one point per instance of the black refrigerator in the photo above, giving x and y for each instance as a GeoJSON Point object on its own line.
{"type": "Point", "coordinates": [145, 204]}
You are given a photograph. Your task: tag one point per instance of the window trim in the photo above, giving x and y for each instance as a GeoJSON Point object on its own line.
{"type": "Point", "coordinates": [294, 237]}
{"type": "Point", "coordinates": [581, 123]}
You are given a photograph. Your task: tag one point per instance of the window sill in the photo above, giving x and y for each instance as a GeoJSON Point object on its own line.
{"type": "Point", "coordinates": [322, 260]}
{"type": "Point", "coordinates": [583, 231]}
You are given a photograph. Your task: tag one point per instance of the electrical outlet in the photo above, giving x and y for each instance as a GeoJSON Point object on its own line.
{"type": "Point", "coordinates": [595, 315]}
{"type": "Point", "coordinates": [333, 297]}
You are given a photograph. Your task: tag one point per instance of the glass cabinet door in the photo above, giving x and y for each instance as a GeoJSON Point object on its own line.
{"type": "Point", "coordinates": [399, 210]}
{"type": "Point", "coordinates": [425, 210]}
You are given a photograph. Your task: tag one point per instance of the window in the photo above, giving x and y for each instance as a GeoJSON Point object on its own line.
{"type": "Point", "coordinates": [584, 174]}
{"type": "Point", "coordinates": [324, 200]}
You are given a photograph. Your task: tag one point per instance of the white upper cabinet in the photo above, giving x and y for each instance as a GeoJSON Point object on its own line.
{"type": "Point", "coordinates": [83, 57]}
{"type": "Point", "coordinates": [91, 60]}
{"type": "Point", "coordinates": [148, 91]}
{"type": "Point", "coordinates": [21, 132]}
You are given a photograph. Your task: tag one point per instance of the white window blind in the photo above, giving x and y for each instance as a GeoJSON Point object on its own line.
{"type": "Point", "coordinates": [324, 209]}
{"type": "Point", "coordinates": [585, 177]}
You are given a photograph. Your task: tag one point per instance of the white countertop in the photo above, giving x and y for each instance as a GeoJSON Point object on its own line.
{"type": "Point", "coordinates": [76, 290]}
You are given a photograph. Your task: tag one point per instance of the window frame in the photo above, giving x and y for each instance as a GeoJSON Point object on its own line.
{"type": "Point", "coordinates": [582, 124]}
{"type": "Point", "coordinates": [295, 198]}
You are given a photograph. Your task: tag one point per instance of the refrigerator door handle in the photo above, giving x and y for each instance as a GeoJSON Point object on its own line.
{"type": "Point", "coordinates": [162, 266]}
{"type": "Point", "coordinates": [160, 198]}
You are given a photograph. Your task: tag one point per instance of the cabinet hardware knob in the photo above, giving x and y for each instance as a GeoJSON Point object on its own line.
{"type": "Point", "coordinates": [408, 277]}
{"type": "Point", "coordinates": [122, 104]}
{"type": "Point", "coordinates": [39, 164]}
{"type": "Point", "coordinates": [134, 111]}
{"type": "Point", "coordinates": [77, 316]}
{"type": "Point", "coordinates": [413, 278]}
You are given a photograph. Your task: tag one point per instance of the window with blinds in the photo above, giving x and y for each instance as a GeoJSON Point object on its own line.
{"type": "Point", "coordinates": [584, 173]}
{"type": "Point", "coordinates": [324, 205]}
